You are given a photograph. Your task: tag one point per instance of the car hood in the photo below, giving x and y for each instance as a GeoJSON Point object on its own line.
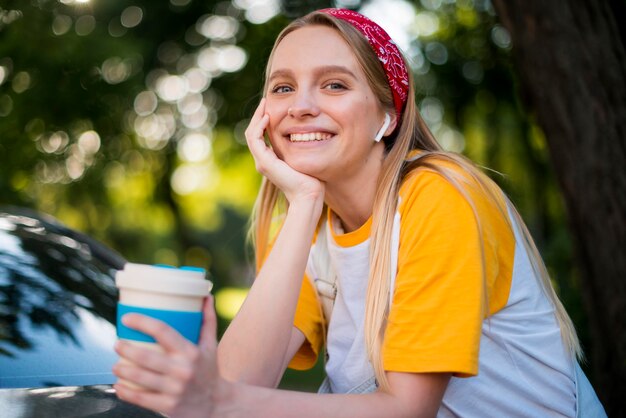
{"type": "Point", "coordinates": [68, 402]}
{"type": "Point", "coordinates": [57, 304]}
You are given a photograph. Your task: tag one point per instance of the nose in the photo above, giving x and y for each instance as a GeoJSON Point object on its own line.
{"type": "Point", "coordinates": [304, 104]}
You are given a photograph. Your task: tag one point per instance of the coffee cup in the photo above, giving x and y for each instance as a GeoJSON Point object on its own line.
{"type": "Point", "coordinates": [172, 295]}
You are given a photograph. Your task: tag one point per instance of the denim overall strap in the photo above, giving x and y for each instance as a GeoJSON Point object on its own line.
{"type": "Point", "coordinates": [320, 271]}
{"type": "Point", "coordinates": [587, 403]}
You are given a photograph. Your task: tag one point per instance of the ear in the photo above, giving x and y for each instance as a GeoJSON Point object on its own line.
{"type": "Point", "coordinates": [384, 128]}
{"type": "Point", "coordinates": [393, 124]}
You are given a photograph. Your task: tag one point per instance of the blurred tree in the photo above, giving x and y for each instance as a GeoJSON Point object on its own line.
{"type": "Point", "coordinates": [114, 121]}
{"type": "Point", "coordinates": [570, 56]}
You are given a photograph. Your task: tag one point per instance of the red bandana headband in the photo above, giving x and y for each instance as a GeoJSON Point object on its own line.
{"type": "Point", "coordinates": [386, 50]}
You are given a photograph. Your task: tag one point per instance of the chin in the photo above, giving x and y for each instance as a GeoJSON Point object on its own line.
{"type": "Point", "coordinates": [308, 167]}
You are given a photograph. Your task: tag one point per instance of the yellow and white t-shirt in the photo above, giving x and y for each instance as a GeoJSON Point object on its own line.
{"type": "Point", "coordinates": [497, 328]}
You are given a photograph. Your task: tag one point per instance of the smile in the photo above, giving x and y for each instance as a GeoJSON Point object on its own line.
{"type": "Point", "coordinates": [311, 136]}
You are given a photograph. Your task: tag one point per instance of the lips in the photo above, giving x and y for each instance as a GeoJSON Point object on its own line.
{"type": "Point", "coordinates": [309, 136]}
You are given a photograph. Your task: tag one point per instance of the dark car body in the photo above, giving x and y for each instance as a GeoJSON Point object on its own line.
{"type": "Point", "coordinates": [57, 321]}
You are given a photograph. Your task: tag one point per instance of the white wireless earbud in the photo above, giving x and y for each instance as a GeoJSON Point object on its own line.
{"type": "Point", "coordinates": [383, 128]}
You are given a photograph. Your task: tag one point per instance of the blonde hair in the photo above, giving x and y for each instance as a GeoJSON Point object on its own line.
{"type": "Point", "coordinates": [411, 134]}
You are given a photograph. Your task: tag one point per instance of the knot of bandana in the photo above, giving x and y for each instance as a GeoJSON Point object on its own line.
{"type": "Point", "coordinates": [386, 51]}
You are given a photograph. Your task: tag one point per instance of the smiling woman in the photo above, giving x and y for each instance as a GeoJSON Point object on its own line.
{"type": "Point", "coordinates": [406, 263]}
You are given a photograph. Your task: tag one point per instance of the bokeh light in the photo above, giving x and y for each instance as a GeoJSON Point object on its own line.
{"type": "Point", "coordinates": [473, 72]}
{"type": "Point", "coordinates": [155, 130]}
{"type": "Point", "coordinates": [116, 70]}
{"type": "Point", "coordinates": [426, 24]}
{"type": "Point", "coordinates": [171, 88]}
{"type": "Point", "coordinates": [89, 143]}
{"type": "Point", "coordinates": [194, 147]}
{"type": "Point", "coordinates": [196, 119]}
{"type": "Point", "coordinates": [258, 11]}
{"type": "Point", "coordinates": [218, 27]}
{"type": "Point", "coordinates": [436, 53]}
{"type": "Point", "coordinates": [145, 103]}
{"type": "Point", "coordinates": [180, 3]}
{"type": "Point", "coordinates": [85, 25]}
{"type": "Point", "coordinates": [131, 16]}
{"type": "Point", "coordinates": [116, 29]}
{"type": "Point", "coordinates": [61, 24]}
{"type": "Point", "coordinates": [190, 104]}
{"type": "Point", "coordinates": [501, 37]}
{"type": "Point", "coordinates": [54, 143]}
{"type": "Point", "coordinates": [397, 17]}
{"type": "Point", "coordinates": [21, 82]}
{"type": "Point", "coordinates": [227, 58]}
{"type": "Point", "coordinates": [75, 167]}
{"type": "Point", "coordinates": [231, 58]}
{"type": "Point", "coordinates": [432, 111]}
{"type": "Point", "coordinates": [228, 301]}
{"type": "Point", "coordinates": [189, 178]}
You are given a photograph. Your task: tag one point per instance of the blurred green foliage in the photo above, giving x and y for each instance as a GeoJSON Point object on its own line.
{"type": "Point", "coordinates": [125, 120]}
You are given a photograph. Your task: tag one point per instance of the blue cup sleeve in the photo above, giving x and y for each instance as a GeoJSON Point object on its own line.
{"type": "Point", "coordinates": [188, 324]}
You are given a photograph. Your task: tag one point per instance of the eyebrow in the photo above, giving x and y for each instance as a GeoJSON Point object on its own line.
{"type": "Point", "coordinates": [319, 71]}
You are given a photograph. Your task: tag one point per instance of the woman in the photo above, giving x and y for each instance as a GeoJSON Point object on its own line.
{"type": "Point", "coordinates": [422, 282]}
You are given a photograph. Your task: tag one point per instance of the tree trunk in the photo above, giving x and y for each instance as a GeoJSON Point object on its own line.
{"type": "Point", "coordinates": [571, 61]}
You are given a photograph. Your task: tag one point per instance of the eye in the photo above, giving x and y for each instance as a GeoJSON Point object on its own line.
{"type": "Point", "coordinates": [281, 88]}
{"type": "Point", "coordinates": [335, 85]}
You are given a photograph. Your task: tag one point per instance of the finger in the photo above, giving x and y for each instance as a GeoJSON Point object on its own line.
{"type": "Point", "coordinates": [260, 109]}
{"type": "Point", "coordinates": [252, 129]}
{"type": "Point", "coordinates": [145, 379]}
{"type": "Point", "coordinates": [149, 400]}
{"type": "Point", "coordinates": [256, 130]}
{"type": "Point", "coordinates": [265, 158]}
{"type": "Point", "coordinates": [167, 337]}
{"type": "Point", "coordinates": [256, 137]}
{"type": "Point", "coordinates": [146, 357]}
{"type": "Point", "coordinates": [179, 366]}
{"type": "Point", "coordinates": [208, 334]}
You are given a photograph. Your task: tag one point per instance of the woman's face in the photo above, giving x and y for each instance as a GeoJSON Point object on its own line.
{"type": "Point", "coordinates": [323, 114]}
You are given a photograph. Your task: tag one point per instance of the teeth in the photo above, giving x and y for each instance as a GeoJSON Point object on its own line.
{"type": "Point", "coordinates": [311, 136]}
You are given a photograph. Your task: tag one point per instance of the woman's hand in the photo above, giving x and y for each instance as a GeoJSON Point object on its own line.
{"type": "Point", "coordinates": [182, 379]}
{"type": "Point", "coordinates": [294, 184]}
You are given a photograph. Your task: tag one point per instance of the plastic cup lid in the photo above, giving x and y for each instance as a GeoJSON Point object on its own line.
{"type": "Point", "coordinates": [189, 281]}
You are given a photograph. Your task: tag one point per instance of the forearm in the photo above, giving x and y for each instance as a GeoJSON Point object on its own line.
{"type": "Point", "coordinates": [248, 401]}
{"type": "Point", "coordinates": [253, 348]}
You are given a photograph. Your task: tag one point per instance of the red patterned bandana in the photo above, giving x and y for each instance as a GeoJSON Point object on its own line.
{"type": "Point", "coordinates": [386, 50]}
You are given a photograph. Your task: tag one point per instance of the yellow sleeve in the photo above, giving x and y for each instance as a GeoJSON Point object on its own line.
{"type": "Point", "coordinates": [438, 307]}
{"type": "Point", "coordinates": [308, 319]}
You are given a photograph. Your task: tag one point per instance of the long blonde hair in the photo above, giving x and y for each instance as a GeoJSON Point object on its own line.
{"type": "Point", "coordinates": [411, 134]}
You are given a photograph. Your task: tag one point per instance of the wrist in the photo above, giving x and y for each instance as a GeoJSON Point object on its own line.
{"type": "Point", "coordinates": [307, 195]}
{"type": "Point", "coordinates": [223, 399]}
{"type": "Point", "coordinates": [307, 206]}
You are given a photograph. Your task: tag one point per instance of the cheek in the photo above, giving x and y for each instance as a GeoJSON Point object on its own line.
{"type": "Point", "coordinates": [275, 139]}
{"type": "Point", "coordinates": [273, 131]}
{"type": "Point", "coordinates": [276, 145]}
{"type": "Point", "coordinates": [276, 109]}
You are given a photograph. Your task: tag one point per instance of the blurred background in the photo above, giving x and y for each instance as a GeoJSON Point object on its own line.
{"type": "Point", "coordinates": [125, 120]}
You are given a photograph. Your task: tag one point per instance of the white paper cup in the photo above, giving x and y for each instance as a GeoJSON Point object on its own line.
{"type": "Point", "coordinates": [174, 296]}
